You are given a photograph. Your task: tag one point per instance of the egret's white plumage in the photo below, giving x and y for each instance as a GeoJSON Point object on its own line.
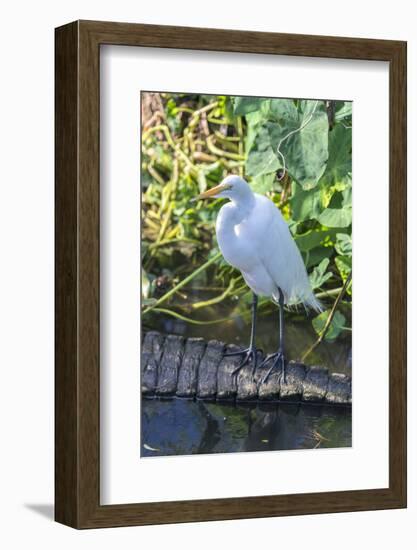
{"type": "Point", "coordinates": [254, 237]}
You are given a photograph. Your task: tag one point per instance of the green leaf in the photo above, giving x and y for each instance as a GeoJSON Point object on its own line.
{"type": "Point", "coordinates": [245, 105]}
{"type": "Point", "coordinates": [339, 164]}
{"type": "Point", "coordinates": [316, 255]}
{"type": "Point", "coordinates": [306, 150]}
{"type": "Point", "coordinates": [347, 196]}
{"type": "Point", "coordinates": [336, 217]}
{"type": "Point", "coordinates": [262, 162]}
{"type": "Point", "coordinates": [313, 238]}
{"type": "Point", "coordinates": [319, 275]}
{"type": "Point", "coordinates": [263, 184]}
{"type": "Point", "coordinates": [262, 159]}
{"type": "Point", "coordinates": [283, 111]}
{"type": "Point", "coordinates": [336, 326]}
{"type": "Point", "coordinates": [306, 205]}
{"type": "Point", "coordinates": [253, 122]}
{"type": "Point", "coordinates": [343, 244]}
{"type": "Point", "coordinates": [344, 265]}
{"type": "Point", "coordinates": [343, 110]}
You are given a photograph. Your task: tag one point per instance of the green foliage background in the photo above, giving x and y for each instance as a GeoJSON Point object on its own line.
{"type": "Point", "coordinates": [297, 152]}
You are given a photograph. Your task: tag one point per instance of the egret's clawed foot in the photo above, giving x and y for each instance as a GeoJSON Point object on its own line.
{"type": "Point", "coordinates": [249, 355]}
{"type": "Point", "coordinates": [275, 360]}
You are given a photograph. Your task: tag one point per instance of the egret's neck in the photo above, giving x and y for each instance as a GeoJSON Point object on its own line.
{"type": "Point", "coordinates": [242, 206]}
{"type": "Point", "coordinates": [232, 214]}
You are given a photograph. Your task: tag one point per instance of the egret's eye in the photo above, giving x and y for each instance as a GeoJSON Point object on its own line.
{"type": "Point", "coordinates": [227, 186]}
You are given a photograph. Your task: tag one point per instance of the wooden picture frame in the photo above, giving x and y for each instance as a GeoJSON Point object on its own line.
{"type": "Point", "coordinates": [77, 405]}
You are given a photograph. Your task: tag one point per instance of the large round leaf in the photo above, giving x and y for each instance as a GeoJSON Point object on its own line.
{"type": "Point", "coordinates": [301, 135]}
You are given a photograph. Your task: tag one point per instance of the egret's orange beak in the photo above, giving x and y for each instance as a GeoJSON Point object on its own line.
{"type": "Point", "coordinates": [213, 192]}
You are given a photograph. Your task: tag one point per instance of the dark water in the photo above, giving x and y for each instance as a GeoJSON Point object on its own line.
{"type": "Point", "coordinates": [178, 427]}
{"type": "Point", "coordinates": [184, 427]}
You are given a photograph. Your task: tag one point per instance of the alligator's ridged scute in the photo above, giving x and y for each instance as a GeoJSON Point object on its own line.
{"type": "Point", "coordinates": [172, 366]}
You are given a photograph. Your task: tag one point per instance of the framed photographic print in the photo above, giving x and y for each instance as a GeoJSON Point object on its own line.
{"type": "Point", "coordinates": [230, 274]}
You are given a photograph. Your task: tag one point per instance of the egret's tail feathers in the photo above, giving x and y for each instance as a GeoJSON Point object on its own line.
{"type": "Point", "coordinates": [313, 303]}
{"type": "Point", "coordinates": [309, 301]}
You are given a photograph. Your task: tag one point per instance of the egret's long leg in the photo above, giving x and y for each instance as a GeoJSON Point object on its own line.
{"type": "Point", "coordinates": [249, 354]}
{"type": "Point", "coordinates": [281, 328]}
{"type": "Point", "coordinates": [278, 358]}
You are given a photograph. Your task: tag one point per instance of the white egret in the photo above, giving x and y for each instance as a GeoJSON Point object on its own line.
{"type": "Point", "coordinates": [254, 238]}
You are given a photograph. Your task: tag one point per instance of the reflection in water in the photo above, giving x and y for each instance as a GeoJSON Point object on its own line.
{"type": "Point", "coordinates": [183, 427]}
